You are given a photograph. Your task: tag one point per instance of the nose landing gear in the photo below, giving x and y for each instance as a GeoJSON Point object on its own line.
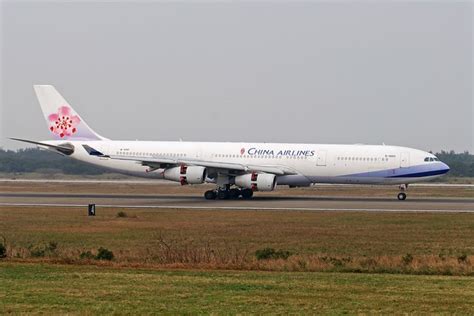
{"type": "Point", "coordinates": [402, 195]}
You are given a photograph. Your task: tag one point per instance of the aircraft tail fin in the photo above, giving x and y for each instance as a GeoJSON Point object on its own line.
{"type": "Point", "coordinates": [63, 122]}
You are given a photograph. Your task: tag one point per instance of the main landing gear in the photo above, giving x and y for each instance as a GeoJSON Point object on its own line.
{"type": "Point", "coordinates": [228, 194]}
{"type": "Point", "coordinates": [402, 195]}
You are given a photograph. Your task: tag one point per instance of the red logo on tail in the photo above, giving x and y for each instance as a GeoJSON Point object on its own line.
{"type": "Point", "coordinates": [63, 123]}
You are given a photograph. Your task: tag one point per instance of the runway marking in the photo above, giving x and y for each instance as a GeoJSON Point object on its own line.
{"type": "Point", "coordinates": [320, 198]}
{"type": "Point", "coordinates": [239, 208]}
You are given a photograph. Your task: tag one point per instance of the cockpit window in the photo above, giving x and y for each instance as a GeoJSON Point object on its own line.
{"type": "Point", "coordinates": [427, 159]}
{"type": "Point", "coordinates": [431, 159]}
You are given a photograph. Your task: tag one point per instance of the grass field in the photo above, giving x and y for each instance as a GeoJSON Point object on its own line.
{"type": "Point", "coordinates": [45, 289]}
{"type": "Point", "coordinates": [318, 241]}
{"type": "Point", "coordinates": [189, 261]}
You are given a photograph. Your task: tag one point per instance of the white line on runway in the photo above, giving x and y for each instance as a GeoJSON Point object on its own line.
{"type": "Point", "coordinates": [238, 208]}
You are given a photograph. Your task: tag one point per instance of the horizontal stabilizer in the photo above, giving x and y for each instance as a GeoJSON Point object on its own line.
{"type": "Point", "coordinates": [66, 149]}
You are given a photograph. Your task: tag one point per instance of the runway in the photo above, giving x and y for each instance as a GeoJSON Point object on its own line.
{"type": "Point", "coordinates": [264, 203]}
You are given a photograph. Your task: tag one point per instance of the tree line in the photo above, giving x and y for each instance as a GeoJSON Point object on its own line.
{"type": "Point", "coordinates": [41, 161]}
{"type": "Point", "coordinates": [461, 164]}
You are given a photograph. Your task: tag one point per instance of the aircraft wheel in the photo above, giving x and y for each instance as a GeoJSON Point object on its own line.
{"type": "Point", "coordinates": [210, 195]}
{"type": "Point", "coordinates": [234, 194]}
{"type": "Point", "coordinates": [247, 194]}
{"type": "Point", "coordinates": [402, 196]}
{"type": "Point", "coordinates": [223, 194]}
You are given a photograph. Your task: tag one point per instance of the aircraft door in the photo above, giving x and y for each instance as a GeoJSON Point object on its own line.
{"type": "Point", "coordinates": [321, 158]}
{"type": "Point", "coordinates": [404, 160]}
{"type": "Point", "coordinates": [198, 152]}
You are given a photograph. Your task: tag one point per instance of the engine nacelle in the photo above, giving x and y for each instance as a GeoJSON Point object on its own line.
{"type": "Point", "coordinates": [257, 181]}
{"type": "Point", "coordinates": [186, 174]}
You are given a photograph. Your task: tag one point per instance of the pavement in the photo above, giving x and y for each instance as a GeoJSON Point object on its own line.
{"type": "Point", "coordinates": [197, 202]}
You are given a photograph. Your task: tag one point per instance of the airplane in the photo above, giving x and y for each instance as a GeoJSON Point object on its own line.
{"type": "Point", "coordinates": [237, 169]}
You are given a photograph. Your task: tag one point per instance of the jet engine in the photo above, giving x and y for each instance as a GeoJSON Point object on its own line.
{"type": "Point", "coordinates": [257, 181]}
{"type": "Point", "coordinates": [186, 174]}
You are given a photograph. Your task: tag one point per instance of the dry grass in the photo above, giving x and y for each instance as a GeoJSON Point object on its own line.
{"type": "Point", "coordinates": [318, 241]}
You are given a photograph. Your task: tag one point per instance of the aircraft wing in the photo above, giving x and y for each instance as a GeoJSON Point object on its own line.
{"type": "Point", "coordinates": [156, 163]}
{"type": "Point", "coordinates": [163, 162]}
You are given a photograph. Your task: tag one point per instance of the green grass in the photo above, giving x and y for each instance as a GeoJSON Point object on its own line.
{"type": "Point", "coordinates": [35, 288]}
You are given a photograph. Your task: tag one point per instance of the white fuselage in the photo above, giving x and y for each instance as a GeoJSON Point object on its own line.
{"type": "Point", "coordinates": [309, 163]}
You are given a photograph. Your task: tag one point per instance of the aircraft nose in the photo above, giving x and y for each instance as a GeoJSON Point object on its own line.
{"type": "Point", "coordinates": [444, 168]}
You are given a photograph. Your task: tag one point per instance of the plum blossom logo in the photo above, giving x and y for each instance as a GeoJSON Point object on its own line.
{"type": "Point", "coordinates": [64, 123]}
{"type": "Point", "coordinates": [242, 151]}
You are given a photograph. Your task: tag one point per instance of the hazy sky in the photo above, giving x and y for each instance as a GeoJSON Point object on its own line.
{"type": "Point", "coordinates": [317, 72]}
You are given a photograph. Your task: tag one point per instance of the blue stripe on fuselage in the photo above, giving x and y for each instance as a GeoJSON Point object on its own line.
{"type": "Point", "coordinates": [425, 170]}
{"type": "Point", "coordinates": [422, 174]}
